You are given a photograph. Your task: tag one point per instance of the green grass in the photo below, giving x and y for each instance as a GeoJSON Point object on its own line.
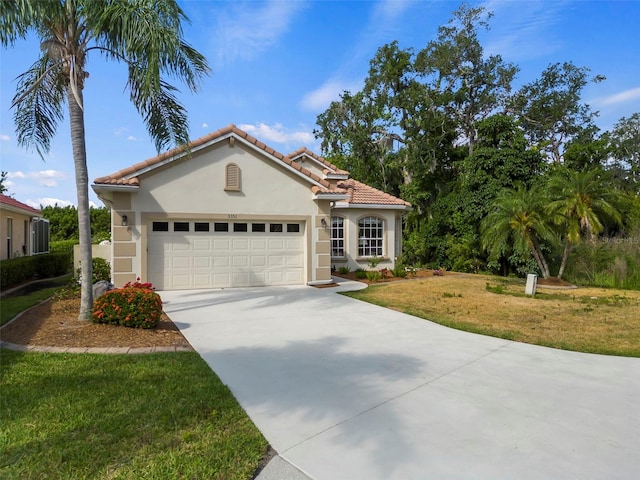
{"type": "Point", "coordinates": [12, 306]}
{"type": "Point", "coordinates": [154, 416]}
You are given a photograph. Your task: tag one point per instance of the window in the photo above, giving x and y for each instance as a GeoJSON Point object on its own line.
{"type": "Point", "coordinates": [275, 228]}
{"type": "Point", "coordinates": [180, 226]}
{"type": "Point", "coordinates": [337, 237]}
{"type": "Point", "coordinates": [220, 227]}
{"type": "Point", "coordinates": [239, 227]}
{"type": "Point", "coordinates": [370, 237]}
{"type": "Point", "coordinates": [293, 227]}
{"type": "Point", "coordinates": [160, 226]}
{"type": "Point", "coordinates": [40, 229]}
{"type": "Point", "coordinates": [232, 177]}
{"type": "Point", "coordinates": [201, 226]}
{"type": "Point", "coordinates": [258, 227]}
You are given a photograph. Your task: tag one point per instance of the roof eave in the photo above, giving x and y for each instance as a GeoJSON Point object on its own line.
{"type": "Point", "coordinates": [376, 206]}
{"type": "Point", "coordinates": [331, 196]}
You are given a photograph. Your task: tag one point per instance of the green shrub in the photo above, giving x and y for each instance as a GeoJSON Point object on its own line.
{"type": "Point", "coordinates": [100, 270]}
{"type": "Point", "coordinates": [344, 270]}
{"type": "Point", "coordinates": [131, 306]}
{"type": "Point", "coordinates": [399, 271]}
{"type": "Point", "coordinates": [374, 261]}
{"type": "Point", "coordinates": [52, 264]}
{"type": "Point", "coordinates": [360, 273]}
{"type": "Point", "coordinates": [373, 275]}
{"type": "Point", "coordinates": [17, 270]}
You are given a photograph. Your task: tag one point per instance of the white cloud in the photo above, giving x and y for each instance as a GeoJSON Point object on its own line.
{"type": "Point", "coordinates": [248, 28]}
{"type": "Point", "coordinates": [205, 125]}
{"type": "Point", "coordinates": [5, 138]}
{"type": "Point", "coordinates": [120, 131]}
{"type": "Point", "coordinates": [131, 138]}
{"type": "Point", "coordinates": [321, 98]}
{"type": "Point", "coordinates": [48, 202]}
{"type": "Point", "coordinates": [621, 97]}
{"type": "Point", "coordinates": [278, 134]}
{"type": "Point", "coordinates": [45, 178]}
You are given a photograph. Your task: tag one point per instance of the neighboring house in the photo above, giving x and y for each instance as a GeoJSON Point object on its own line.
{"type": "Point", "coordinates": [22, 230]}
{"type": "Point", "coordinates": [234, 212]}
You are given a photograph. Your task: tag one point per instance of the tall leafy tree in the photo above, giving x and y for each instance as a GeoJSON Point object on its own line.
{"type": "Point", "coordinates": [145, 34]}
{"type": "Point", "coordinates": [3, 179]}
{"type": "Point", "coordinates": [550, 109]}
{"type": "Point", "coordinates": [470, 85]}
{"type": "Point", "coordinates": [625, 145]}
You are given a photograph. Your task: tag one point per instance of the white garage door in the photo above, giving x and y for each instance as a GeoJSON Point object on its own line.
{"type": "Point", "coordinates": [200, 254]}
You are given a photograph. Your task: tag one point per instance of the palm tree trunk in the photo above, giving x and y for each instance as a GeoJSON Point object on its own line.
{"type": "Point", "coordinates": [539, 256]}
{"type": "Point", "coordinates": [76, 119]}
{"type": "Point", "coordinates": [565, 257]}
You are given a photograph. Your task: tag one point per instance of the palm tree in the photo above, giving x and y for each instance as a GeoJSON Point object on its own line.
{"type": "Point", "coordinates": [582, 200]}
{"type": "Point", "coordinates": [518, 220]}
{"type": "Point", "coordinates": [145, 34]}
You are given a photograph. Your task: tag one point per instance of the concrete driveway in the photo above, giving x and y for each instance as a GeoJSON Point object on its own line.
{"type": "Point", "coordinates": [347, 390]}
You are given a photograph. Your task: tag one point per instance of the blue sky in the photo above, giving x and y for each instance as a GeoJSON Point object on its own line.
{"type": "Point", "coordinates": [278, 64]}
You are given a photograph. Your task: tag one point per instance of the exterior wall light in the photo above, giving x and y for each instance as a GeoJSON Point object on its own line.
{"type": "Point", "coordinates": [125, 221]}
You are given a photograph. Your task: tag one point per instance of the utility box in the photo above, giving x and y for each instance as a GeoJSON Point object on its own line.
{"type": "Point", "coordinates": [532, 283]}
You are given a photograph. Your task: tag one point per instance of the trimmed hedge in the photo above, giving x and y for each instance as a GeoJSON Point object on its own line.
{"type": "Point", "coordinates": [17, 270]}
{"type": "Point", "coordinates": [130, 306]}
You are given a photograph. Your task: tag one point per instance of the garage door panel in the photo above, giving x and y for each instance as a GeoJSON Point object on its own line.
{"type": "Point", "coordinates": [182, 260]}
{"type": "Point", "coordinates": [221, 262]}
{"type": "Point", "coordinates": [201, 244]}
{"type": "Point", "coordinates": [258, 260]}
{"type": "Point", "coordinates": [276, 244]}
{"type": "Point", "coordinates": [202, 262]}
{"type": "Point", "coordinates": [240, 261]}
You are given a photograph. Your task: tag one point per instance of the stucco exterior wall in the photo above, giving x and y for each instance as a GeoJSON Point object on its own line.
{"type": "Point", "coordinates": [194, 188]}
{"type": "Point", "coordinates": [20, 243]}
{"type": "Point", "coordinates": [351, 218]}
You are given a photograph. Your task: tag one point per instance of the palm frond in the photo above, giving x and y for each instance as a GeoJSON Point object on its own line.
{"type": "Point", "coordinates": [38, 104]}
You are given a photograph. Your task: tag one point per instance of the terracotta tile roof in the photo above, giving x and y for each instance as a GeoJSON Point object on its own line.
{"type": "Point", "coordinates": [361, 193]}
{"type": "Point", "coordinates": [331, 168]}
{"type": "Point", "coordinates": [12, 202]}
{"type": "Point", "coordinates": [128, 176]}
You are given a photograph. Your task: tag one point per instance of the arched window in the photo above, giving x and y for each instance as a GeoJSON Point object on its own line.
{"type": "Point", "coordinates": [232, 177]}
{"type": "Point", "coordinates": [337, 237]}
{"type": "Point", "coordinates": [370, 237]}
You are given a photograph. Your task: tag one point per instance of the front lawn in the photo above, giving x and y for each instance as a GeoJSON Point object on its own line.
{"type": "Point", "coordinates": [594, 320]}
{"type": "Point", "coordinates": [121, 417]}
{"type": "Point", "coordinates": [14, 304]}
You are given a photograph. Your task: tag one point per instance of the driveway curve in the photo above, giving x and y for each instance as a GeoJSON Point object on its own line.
{"type": "Point", "coordinates": [343, 389]}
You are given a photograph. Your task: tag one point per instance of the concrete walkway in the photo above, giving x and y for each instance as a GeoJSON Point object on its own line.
{"type": "Point", "coordinates": [346, 390]}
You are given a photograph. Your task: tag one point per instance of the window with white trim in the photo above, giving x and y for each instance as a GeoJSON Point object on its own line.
{"type": "Point", "coordinates": [337, 237]}
{"type": "Point", "coordinates": [370, 237]}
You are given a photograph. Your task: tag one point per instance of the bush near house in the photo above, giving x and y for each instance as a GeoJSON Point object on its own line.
{"type": "Point", "coordinates": [17, 270]}
{"type": "Point", "coordinates": [134, 305]}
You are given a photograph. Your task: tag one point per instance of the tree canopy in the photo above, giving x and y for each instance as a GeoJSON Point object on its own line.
{"type": "Point", "coordinates": [443, 128]}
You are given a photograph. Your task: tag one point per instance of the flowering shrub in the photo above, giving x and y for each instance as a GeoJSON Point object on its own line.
{"type": "Point", "coordinates": [438, 272]}
{"type": "Point", "coordinates": [137, 284]}
{"type": "Point", "coordinates": [133, 305]}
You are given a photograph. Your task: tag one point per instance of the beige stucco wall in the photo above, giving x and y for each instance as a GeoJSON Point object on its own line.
{"type": "Point", "coordinates": [18, 238]}
{"type": "Point", "coordinates": [352, 216]}
{"type": "Point", "coordinates": [194, 189]}
{"type": "Point", "coordinates": [101, 251]}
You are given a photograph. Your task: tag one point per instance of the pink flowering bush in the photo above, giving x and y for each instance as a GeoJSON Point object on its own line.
{"type": "Point", "coordinates": [134, 305]}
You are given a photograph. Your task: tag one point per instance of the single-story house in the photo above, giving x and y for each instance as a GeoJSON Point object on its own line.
{"type": "Point", "coordinates": [234, 212]}
{"type": "Point", "coordinates": [22, 229]}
